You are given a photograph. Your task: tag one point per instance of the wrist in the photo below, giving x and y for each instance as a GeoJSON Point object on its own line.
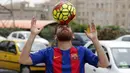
{"type": "Point", "coordinates": [32, 35]}
{"type": "Point", "coordinates": [94, 39]}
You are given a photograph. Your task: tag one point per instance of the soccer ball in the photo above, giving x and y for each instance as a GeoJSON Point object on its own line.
{"type": "Point", "coordinates": [64, 12]}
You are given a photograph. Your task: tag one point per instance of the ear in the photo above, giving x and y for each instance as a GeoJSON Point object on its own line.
{"type": "Point", "coordinates": [55, 37]}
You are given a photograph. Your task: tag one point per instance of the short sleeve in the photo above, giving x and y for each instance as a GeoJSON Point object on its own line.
{"type": "Point", "coordinates": [91, 58]}
{"type": "Point", "coordinates": [38, 57]}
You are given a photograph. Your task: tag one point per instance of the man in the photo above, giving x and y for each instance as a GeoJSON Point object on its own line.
{"type": "Point", "coordinates": [65, 58]}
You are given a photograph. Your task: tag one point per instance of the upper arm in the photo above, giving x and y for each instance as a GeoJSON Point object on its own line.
{"type": "Point", "coordinates": [91, 58]}
{"type": "Point", "coordinates": [38, 57]}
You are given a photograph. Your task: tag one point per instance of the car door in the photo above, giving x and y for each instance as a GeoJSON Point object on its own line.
{"type": "Point", "coordinates": [12, 56]}
{"type": "Point", "coordinates": [21, 37]}
{"type": "Point", "coordinates": [3, 51]}
{"type": "Point", "coordinates": [93, 69]}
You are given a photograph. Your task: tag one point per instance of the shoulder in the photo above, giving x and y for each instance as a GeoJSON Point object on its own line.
{"type": "Point", "coordinates": [83, 49]}
{"type": "Point", "coordinates": [48, 49]}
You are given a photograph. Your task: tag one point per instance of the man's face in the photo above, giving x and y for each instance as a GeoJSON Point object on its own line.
{"type": "Point", "coordinates": [64, 33]}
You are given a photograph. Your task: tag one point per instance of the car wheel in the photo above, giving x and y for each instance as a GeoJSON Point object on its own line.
{"type": "Point", "coordinates": [25, 69]}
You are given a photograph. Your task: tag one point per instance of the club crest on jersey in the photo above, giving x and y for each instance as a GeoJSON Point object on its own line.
{"type": "Point", "coordinates": [74, 56]}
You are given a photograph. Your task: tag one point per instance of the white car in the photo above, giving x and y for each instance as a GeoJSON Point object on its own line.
{"type": "Point", "coordinates": [118, 54]}
{"type": "Point", "coordinates": [24, 35]}
{"type": "Point", "coordinates": [2, 38]}
{"type": "Point", "coordinates": [123, 38]}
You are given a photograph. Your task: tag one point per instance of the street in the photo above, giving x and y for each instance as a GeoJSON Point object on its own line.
{"type": "Point", "coordinates": [7, 71]}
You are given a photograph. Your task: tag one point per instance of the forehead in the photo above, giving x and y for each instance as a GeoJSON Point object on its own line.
{"type": "Point", "coordinates": [60, 26]}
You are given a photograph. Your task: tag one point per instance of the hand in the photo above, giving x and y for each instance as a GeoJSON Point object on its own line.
{"type": "Point", "coordinates": [91, 32]}
{"type": "Point", "coordinates": [34, 29]}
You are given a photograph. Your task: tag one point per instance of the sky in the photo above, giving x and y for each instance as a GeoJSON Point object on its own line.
{"type": "Point", "coordinates": [31, 1]}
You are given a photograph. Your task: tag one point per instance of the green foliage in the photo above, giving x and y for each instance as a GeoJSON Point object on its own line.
{"type": "Point", "coordinates": [110, 32]}
{"type": "Point", "coordinates": [104, 33]}
{"type": "Point", "coordinates": [78, 27]}
{"type": "Point", "coordinates": [113, 27]}
{"type": "Point", "coordinates": [98, 27]}
{"type": "Point", "coordinates": [48, 33]}
{"type": "Point", "coordinates": [6, 31]}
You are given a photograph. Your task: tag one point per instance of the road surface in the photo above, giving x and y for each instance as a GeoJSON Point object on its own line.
{"type": "Point", "coordinates": [6, 71]}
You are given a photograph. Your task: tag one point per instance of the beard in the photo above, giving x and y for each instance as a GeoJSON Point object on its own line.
{"type": "Point", "coordinates": [64, 35]}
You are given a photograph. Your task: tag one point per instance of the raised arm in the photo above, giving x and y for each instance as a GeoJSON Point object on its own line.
{"type": "Point", "coordinates": [92, 34]}
{"type": "Point", "coordinates": [24, 57]}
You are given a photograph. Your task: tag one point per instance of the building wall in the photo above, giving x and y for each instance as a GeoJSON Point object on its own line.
{"type": "Point", "coordinates": [97, 11]}
{"type": "Point", "coordinates": [22, 11]}
{"type": "Point", "coordinates": [121, 13]}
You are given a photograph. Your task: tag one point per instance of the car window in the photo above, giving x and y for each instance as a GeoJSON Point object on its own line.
{"type": "Point", "coordinates": [76, 38]}
{"type": "Point", "coordinates": [82, 36]}
{"type": "Point", "coordinates": [35, 46]}
{"type": "Point", "coordinates": [20, 36]}
{"type": "Point", "coordinates": [11, 47]}
{"type": "Point", "coordinates": [121, 57]}
{"type": "Point", "coordinates": [26, 35]}
{"type": "Point", "coordinates": [4, 45]}
{"type": "Point", "coordinates": [92, 48]}
{"type": "Point", "coordinates": [14, 35]}
{"type": "Point", "coordinates": [126, 39]}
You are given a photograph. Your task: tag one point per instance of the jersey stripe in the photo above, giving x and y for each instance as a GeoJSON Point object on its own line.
{"type": "Point", "coordinates": [75, 62]}
{"type": "Point", "coordinates": [66, 65]}
{"type": "Point", "coordinates": [57, 61]}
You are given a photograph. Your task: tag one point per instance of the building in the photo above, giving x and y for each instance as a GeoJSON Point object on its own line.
{"type": "Point", "coordinates": [98, 11]}
{"type": "Point", "coordinates": [122, 13]}
{"type": "Point", "coordinates": [22, 11]}
{"type": "Point", "coordinates": [101, 12]}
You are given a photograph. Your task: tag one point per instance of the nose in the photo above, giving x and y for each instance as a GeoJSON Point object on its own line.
{"type": "Point", "coordinates": [64, 26]}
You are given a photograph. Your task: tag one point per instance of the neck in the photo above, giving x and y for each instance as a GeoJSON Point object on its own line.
{"type": "Point", "coordinates": [64, 45]}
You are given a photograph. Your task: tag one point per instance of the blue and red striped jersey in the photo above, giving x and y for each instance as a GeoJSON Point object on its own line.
{"type": "Point", "coordinates": [65, 61]}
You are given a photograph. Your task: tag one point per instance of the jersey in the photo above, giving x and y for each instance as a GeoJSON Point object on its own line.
{"type": "Point", "coordinates": [65, 61]}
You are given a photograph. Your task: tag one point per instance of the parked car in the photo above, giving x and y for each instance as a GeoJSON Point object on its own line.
{"type": "Point", "coordinates": [117, 52]}
{"type": "Point", "coordinates": [2, 38]}
{"type": "Point", "coordinates": [24, 35]}
{"type": "Point", "coordinates": [80, 39]}
{"type": "Point", "coordinates": [123, 38]}
{"type": "Point", "coordinates": [9, 56]}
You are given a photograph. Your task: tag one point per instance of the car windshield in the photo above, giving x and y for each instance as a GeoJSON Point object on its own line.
{"type": "Point", "coordinates": [35, 47]}
{"type": "Point", "coordinates": [28, 34]}
{"type": "Point", "coordinates": [121, 57]}
{"type": "Point", "coordinates": [85, 38]}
